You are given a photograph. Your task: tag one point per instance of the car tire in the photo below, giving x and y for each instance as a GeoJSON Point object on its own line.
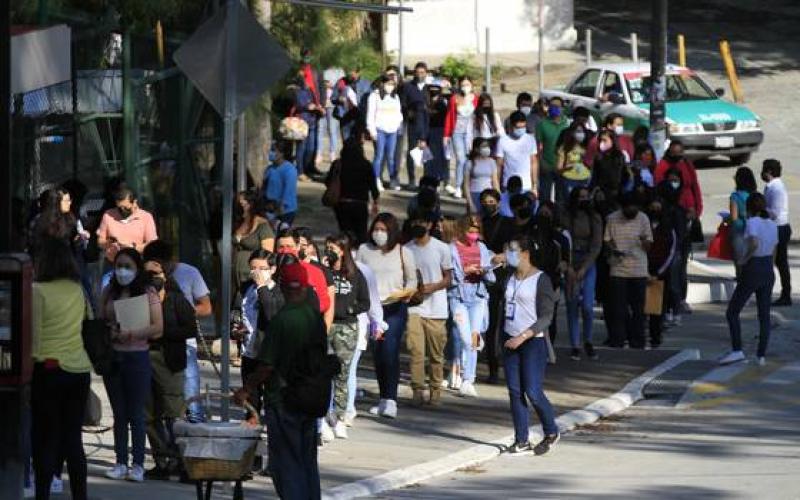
{"type": "Point", "coordinates": [740, 159]}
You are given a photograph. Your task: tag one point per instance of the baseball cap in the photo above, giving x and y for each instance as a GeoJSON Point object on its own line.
{"type": "Point", "coordinates": [294, 276]}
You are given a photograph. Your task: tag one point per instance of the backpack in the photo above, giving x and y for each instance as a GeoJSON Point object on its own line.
{"type": "Point", "coordinates": [333, 183]}
{"type": "Point", "coordinates": [308, 384]}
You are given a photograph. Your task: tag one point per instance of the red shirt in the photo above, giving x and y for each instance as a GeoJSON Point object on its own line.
{"type": "Point", "coordinates": [316, 279]}
{"type": "Point", "coordinates": [452, 110]}
{"type": "Point", "coordinates": [691, 196]}
{"type": "Point", "coordinates": [470, 256]}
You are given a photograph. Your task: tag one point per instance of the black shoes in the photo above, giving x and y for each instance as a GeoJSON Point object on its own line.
{"type": "Point", "coordinates": [784, 301]}
{"type": "Point", "coordinates": [590, 352]}
{"type": "Point", "coordinates": [157, 474]}
{"type": "Point", "coordinates": [519, 449]}
{"type": "Point", "coordinates": [546, 444]}
{"type": "Point", "coordinates": [575, 354]}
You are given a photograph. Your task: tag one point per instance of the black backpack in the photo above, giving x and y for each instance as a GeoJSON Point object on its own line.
{"type": "Point", "coordinates": [309, 381]}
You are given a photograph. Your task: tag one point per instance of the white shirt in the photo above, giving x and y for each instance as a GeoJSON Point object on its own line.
{"type": "Point", "coordinates": [765, 231]}
{"type": "Point", "coordinates": [432, 259]}
{"type": "Point", "coordinates": [374, 317]}
{"type": "Point", "coordinates": [777, 201]}
{"type": "Point", "coordinates": [520, 313]}
{"type": "Point", "coordinates": [516, 155]}
{"type": "Point", "coordinates": [383, 114]}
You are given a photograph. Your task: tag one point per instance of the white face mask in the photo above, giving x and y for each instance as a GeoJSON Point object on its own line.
{"type": "Point", "coordinates": [124, 276]}
{"type": "Point", "coordinates": [512, 258]}
{"type": "Point", "coordinates": [580, 136]}
{"type": "Point", "coordinates": [485, 152]}
{"type": "Point", "coordinates": [467, 89]}
{"type": "Point", "coordinates": [526, 110]}
{"type": "Point", "coordinates": [619, 130]}
{"type": "Point", "coordinates": [388, 88]}
{"type": "Point", "coordinates": [380, 237]}
{"type": "Point", "coordinates": [604, 146]}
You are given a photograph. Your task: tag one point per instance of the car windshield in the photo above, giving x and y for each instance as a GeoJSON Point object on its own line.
{"type": "Point", "coordinates": [680, 87]}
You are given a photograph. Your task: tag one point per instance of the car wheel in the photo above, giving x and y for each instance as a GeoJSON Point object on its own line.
{"type": "Point", "coordinates": [740, 159]}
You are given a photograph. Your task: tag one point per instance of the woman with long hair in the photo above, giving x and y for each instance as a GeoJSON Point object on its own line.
{"type": "Point", "coordinates": [128, 387]}
{"type": "Point", "coordinates": [608, 169]}
{"type": "Point", "coordinates": [487, 123]}
{"type": "Point", "coordinates": [458, 129]}
{"type": "Point", "coordinates": [481, 174]}
{"type": "Point", "coordinates": [357, 181]}
{"type": "Point", "coordinates": [570, 157]}
{"type": "Point", "coordinates": [251, 232]}
{"type": "Point", "coordinates": [745, 182]}
{"type": "Point", "coordinates": [384, 120]}
{"type": "Point", "coordinates": [396, 274]}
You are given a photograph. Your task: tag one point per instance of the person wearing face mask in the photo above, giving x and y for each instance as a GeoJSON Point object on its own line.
{"type": "Point", "coordinates": [547, 133]}
{"type": "Point", "coordinates": [517, 155]}
{"type": "Point", "coordinates": [439, 165]}
{"type": "Point", "coordinates": [308, 108]}
{"type": "Point", "coordinates": [413, 95]}
{"type": "Point", "coordinates": [458, 129]}
{"type": "Point", "coordinates": [168, 363]}
{"type": "Point", "coordinates": [628, 237]}
{"type": "Point", "coordinates": [554, 245]}
{"type": "Point", "coordinates": [609, 172]}
{"type": "Point", "coordinates": [778, 209]}
{"type": "Point", "coordinates": [523, 209]}
{"type": "Point", "coordinates": [469, 298]}
{"type": "Point", "coordinates": [126, 226]}
{"type": "Point", "coordinates": [524, 106]}
{"type": "Point", "coordinates": [614, 123]}
{"type": "Point", "coordinates": [352, 299]}
{"type": "Point", "coordinates": [659, 261]}
{"type": "Point", "coordinates": [669, 191]}
{"type": "Point", "coordinates": [585, 228]}
{"type": "Point", "coordinates": [569, 160]}
{"type": "Point", "coordinates": [642, 168]}
{"type": "Point", "coordinates": [280, 184]}
{"type": "Point", "coordinates": [357, 181]}
{"type": "Point", "coordinates": [395, 271]}
{"type": "Point", "coordinates": [426, 332]}
{"type": "Point", "coordinates": [384, 120]}
{"type": "Point", "coordinates": [129, 385]}
{"type": "Point", "coordinates": [480, 174]}
{"type": "Point", "coordinates": [486, 122]}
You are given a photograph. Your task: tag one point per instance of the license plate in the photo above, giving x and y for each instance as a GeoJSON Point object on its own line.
{"type": "Point", "coordinates": [724, 142]}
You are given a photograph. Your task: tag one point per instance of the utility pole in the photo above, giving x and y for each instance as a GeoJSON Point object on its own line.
{"type": "Point", "coordinates": [400, 62]}
{"type": "Point", "coordinates": [541, 46]}
{"type": "Point", "coordinates": [658, 84]}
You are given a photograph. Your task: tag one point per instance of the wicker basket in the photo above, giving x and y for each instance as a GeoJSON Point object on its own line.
{"type": "Point", "coordinates": [201, 469]}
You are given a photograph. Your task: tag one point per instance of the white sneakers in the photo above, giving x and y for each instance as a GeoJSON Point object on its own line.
{"type": "Point", "coordinates": [454, 381]}
{"type": "Point", "coordinates": [378, 410]}
{"type": "Point", "coordinates": [732, 357]}
{"type": "Point", "coordinates": [468, 390]}
{"type": "Point", "coordinates": [380, 186]}
{"type": "Point", "coordinates": [118, 472]}
{"type": "Point", "coordinates": [386, 408]}
{"type": "Point", "coordinates": [349, 418]}
{"type": "Point", "coordinates": [450, 190]}
{"type": "Point", "coordinates": [458, 194]}
{"type": "Point", "coordinates": [762, 361]}
{"type": "Point", "coordinates": [136, 474]}
{"type": "Point", "coordinates": [340, 430]}
{"type": "Point", "coordinates": [325, 432]}
{"type": "Point", "coordinates": [56, 486]}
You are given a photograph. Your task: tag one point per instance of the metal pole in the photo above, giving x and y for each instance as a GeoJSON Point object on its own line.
{"type": "Point", "coordinates": [477, 30]}
{"type": "Point", "coordinates": [658, 62]}
{"type": "Point", "coordinates": [128, 111]}
{"type": "Point", "coordinates": [635, 47]}
{"type": "Point", "coordinates": [241, 155]}
{"type": "Point", "coordinates": [588, 47]}
{"type": "Point", "coordinates": [541, 46]}
{"type": "Point", "coordinates": [229, 117]}
{"type": "Point", "coordinates": [400, 62]}
{"type": "Point", "coordinates": [488, 65]}
{"type": "Point", "coordinates": [681, 51]}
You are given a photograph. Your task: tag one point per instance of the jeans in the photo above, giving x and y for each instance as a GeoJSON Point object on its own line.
{"type": "Point", "coordinates": [569, 185]}
{"type": "Point", "coordinates": [627, 312]}
{"type": "Point", "coordinates": [352, 382]}
{"type": "Point", "coordinates": [525, 368]}
{"type": "Point", "coordinates": [468, 318]}
{"type": "Point", "coordinates": [128, 389]}
{"type": "Point", "coordinates": [328, 127]}
{"type": "Point", "coordinates": [191, 384]}
{"type": "Point", "coordinates": [547, 180]}
{"type": "Point", "coordinates": [757, 277]}
{"type": "Point", "coordinates": [439, 166]}
{"type": "Point", "coordinates": [782, 260]}
{"type": "Point", "coordinates": [385, 146]}
{"type": "Point", "coordinates": [307, 151]}
{"type": "Point", "coordinates": [386, 352]}
{"type": "Point", "coordinates": [462, 149]}
{"type": "Point", "coordinates": [58, 403]}
{"type": "Point", "coordinates": [292, 445]}
{"type": "Point", "coordinates": [581, 305]}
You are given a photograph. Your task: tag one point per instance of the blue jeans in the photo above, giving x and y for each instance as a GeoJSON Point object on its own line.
{"type": "Point", "coordinates": [582, 303]}
{"type": "Point", "coordinates": [128, 389]}
{"type": "Point", "coordinates": [352, 381]}
{"type": "Point", "coordinates": [307, 151]}
{"type": "Point", "coordinates": [461, 149]}
{"type": "Point", "coordinates": [292, 445]}
{"type": "Point", "coordinates": [191, 385]}
{"type": "Point", "coordinates": [468, 318]}
{"type": "Point", "coordinates": [328, 127]}
{"type": "Point", "coordinates": [386, 352]}
{"type": "Point", "coordinates": [525, 369]}
{"type": "Point", "coordinates": [385, 145]}
{"type": "Point", "coordinates": [547, 181]}
{"type": "Point", "coordinates": [756, 277]}
{"type": "Point", "coordinates": [570, 184]}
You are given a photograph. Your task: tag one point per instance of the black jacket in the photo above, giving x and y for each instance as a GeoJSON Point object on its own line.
{"type": "Point", "coordinates": [180, 324]}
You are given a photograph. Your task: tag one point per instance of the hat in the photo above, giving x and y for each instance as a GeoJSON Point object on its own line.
{"type": "Point", "coordinates": [294, 276]}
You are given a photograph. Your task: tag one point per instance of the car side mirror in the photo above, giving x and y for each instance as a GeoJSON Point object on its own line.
{"type": "Point", "coordinates": [720, 92]}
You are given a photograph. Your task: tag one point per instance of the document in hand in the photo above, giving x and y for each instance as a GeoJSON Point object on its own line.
{"type": "Point", "coordinates": [133, 313]}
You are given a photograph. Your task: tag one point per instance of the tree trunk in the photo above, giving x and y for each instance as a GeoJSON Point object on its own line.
{"type": "Point", "coordinates": [259, 127]}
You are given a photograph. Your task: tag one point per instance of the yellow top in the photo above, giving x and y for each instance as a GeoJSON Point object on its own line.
{"type": "Point", "coordinates": [58, 311]}
{"type": "Point", "coordinates": [574, 159]}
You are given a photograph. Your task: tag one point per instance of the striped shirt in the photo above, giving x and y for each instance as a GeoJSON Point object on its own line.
{"type": "Point", "coordinates": [630, 259]}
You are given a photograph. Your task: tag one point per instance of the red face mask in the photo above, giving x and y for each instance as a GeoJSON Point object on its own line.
{"type": "Point", "coordinates": [473, 238]}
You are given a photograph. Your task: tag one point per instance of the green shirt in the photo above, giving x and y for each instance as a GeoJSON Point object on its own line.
{"type": "Point", "coordinates": [547, 133]}
{"type": "Point", "coordinates": [289, 330]}
{"type": "Point", "coordinates": [58, 310]}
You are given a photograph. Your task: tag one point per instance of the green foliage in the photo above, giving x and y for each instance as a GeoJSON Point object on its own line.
{"type": "Point", "coordinates": [350, 54]}
{"type": "Point", "coordinates": [457, 66]}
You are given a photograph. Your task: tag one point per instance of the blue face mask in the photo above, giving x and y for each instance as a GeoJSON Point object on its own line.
{"type": "Point", "coordinates": [272, 156]}
{"type": "Point", "coordinates": [512, 258]}
{"type": "Point", "coordinates": [519, 132]}
{"type": "Point", "coordinates": [554, 111]}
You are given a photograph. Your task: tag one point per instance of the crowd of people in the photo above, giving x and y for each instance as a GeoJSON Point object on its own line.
{"type": "Point", "coordinates": [556, 209]}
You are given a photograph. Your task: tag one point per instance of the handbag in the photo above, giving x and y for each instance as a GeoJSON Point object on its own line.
{"type": "Point", "coordinates": [333, 189]}
{"type": "Point", "coordinates": [294, 128]}
{"type": "Point", "coordinates": [97, 342]}
{"type": "Point", "coordinates": [93, 414]}
{"type": "Point", "coordinates": [696, 231]}
{"type": "Point", "coordinates": [654, 298]}
{"type": "Point", "coordinates": [720, 246]}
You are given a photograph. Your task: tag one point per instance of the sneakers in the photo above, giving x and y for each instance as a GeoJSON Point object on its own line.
{"type": "Point", "coordinates": [468, 390]}
{"type": "Point", "coordinates": [340, 430]}
{"type": "Point", "coordinates": [325, 432]}
{"type": "Point", "coordinates": [732, 357]}
{"type": "Point", "coordinates": [378, 410]}
{"type": "Point", "coordinates": [685, 308]}
{"type": "Point", "coordinates": [457, 194]}
{"type": "Point", "coordinates": [784, 301]}
{"type": "Point", "coordinates": [56, 486]}
{"type": "Point", "coordinates": [380, 185]}
{"type": "Point", "coordinates": [117, 472]}
{"type": "Point", "coordinates": [575, 354]}
{"type": "Point", "coordinates": [418, 399]}
{"type": "Point", "coordinates": [391, 409]}
{"type": "Point", "coordinates": [394, 185]}
{"type": "Point", "coordinates": [761, 361]}
{"type": "Point", "coordinates": [303, 178]}
{"type": "Point", "coordinates": [519, 449]}
{"type": "Point", "coordinates": [136, 474]}
{"type": "Point", "coordinates": [590, 352]}
{"type": "Point", "coordinates": [450, 190]}
{"type": "Point", "coordinates": [457, 382]}
{"type": "Point", "coordinates": [349, 418]}
{"type": "Point", "coordinates": [546, 444]}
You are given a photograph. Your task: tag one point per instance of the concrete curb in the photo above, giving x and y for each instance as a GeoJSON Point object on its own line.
{"type": "Point", "coordinates": [630, 394]}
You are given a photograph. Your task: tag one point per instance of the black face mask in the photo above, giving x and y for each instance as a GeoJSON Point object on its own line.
{"type": "Point", "coordinates": [301, 254]}
{"type": "Point", "coordinates": [489, 209]}
{"type": "Point", "coordinates": [655, 215]}
{"type": "Point", "coordinates": [157, 281]}
{"type": "Point", "coordinates": [585, 205]}
{"type": "Point", "coordinates": [332, 257]}
{"type": "Point", "coordinates": [125, 212]}
{"type": "Point", "coordinates": [764, 177]}
{"type": "Point", "coordinates": [523, 213]}
{"type": "Point", "coordinates": [630, 213]}
{"type": "Point", "coordinates": [418, 232]}
{"type": "Point", "coordinates": [673, 157]}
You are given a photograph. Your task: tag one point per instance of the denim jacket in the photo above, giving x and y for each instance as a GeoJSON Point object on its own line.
{"type": "Point", "coordinates": [470, 292]}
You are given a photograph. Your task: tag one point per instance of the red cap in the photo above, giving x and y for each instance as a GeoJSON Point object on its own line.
{"type": "Point", "coordinates": [294, 276]}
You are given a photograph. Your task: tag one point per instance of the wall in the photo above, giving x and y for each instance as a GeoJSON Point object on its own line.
{"type": "Point", "coordinates": [441, 27]}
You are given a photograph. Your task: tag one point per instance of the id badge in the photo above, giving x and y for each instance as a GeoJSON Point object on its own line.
{"type": "Point", "coordinates": [511, 309]}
